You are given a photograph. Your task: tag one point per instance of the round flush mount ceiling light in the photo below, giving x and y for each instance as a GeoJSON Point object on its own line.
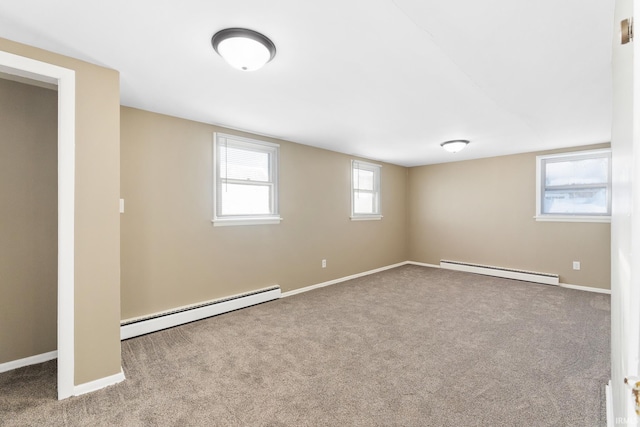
{"type": "Point", "coordinates": [244, 49]}
{"type": "Point", "coordinates": [455, 145]}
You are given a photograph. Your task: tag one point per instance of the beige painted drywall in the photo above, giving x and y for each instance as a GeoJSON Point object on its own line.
{"type": "Point", "coordinates": [482, 211]}
{"type": "Point", "coordinates": [97, 220]}
{"type": "Point", "coordinates": [173, 256]}
{"type": "Point", "coordinates": [28, 220]}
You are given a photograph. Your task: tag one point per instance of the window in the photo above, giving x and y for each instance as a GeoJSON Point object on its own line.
{"type": "Point", "coordinates": [365, 190]}
{"type": "Point", "coordinates": [574, 186]}
{"type": "Point", "coordinates": [245, 189]}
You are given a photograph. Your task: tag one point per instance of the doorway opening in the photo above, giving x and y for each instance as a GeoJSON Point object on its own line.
{"type": "Point", "coordinates": [64, 79]}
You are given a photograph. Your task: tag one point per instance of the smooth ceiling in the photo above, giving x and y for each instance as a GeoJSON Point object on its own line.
{"type": "Point", "coordinates": [383, 79]}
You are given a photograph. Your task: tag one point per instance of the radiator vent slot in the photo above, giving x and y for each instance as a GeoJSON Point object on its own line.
{"type": "Point", "coordinates": [137, 326]}
{"type": "Point", "coordinates": [507, 273]}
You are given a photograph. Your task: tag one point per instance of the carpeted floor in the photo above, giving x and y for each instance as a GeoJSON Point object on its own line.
{"type": "Point", "coordinates": [412, 346]}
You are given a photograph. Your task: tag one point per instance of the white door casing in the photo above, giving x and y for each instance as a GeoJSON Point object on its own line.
{"type": "Point", "coordinates": [65, 79]}
{"type": "Point", "coordinates": [625, 222]}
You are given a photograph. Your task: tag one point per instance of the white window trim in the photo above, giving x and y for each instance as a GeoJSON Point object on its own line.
{"type": "Point", "coordinates": [366, 217]}
{"type": "Point", "coordinates": [539, 216]}
{"type": "Point", "coordinates": [376, 185]}
{"type": "Point", "coordinates": [231, 220]}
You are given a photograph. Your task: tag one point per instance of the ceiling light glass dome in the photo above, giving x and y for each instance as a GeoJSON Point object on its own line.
{"type": "Point", "coordinates": [455, 145]}
{"type": "Point", "coordinates": [244, 49]}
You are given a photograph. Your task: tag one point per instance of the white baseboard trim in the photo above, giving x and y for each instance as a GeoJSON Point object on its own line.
{"type": "Point", "coordinates": [77, 390]}
{"type": "Point", "coordinates": [27, 361]}
{"type": "Point", "coordinates": [98, 384]}
{"type": "Point", "coordinates": [156, 322]}
{"type": "Point", "coordinates": [341, 279]}
{"type": "Point", "coordinates": [585, 288]}
{"type": "Point", "coordinates": [422, 264]}
{"type": "Point", "coordinates": [562, 285]}
{"type": "Point", "coordinates": [609, 404]}
{"type": "Point", "coordinates": [497, 271]}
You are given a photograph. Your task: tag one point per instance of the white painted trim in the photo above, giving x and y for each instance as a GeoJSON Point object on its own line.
{"type": "Point", "coordinates": [570, 155]}
{"type": "Point", "coordinates": [489, 270]}
{"type": "Point", "coordinates": [572, 218]}
{"type": "Point", "coordinates": [98, 384]}
{"type": "Point", "coordinates": [28, 361]}
{"type": "Point", "coordinates": [191, 313]}
{"type": "Point", "coordinates": [245, 221]}
{"type": "Point", "coordinates": [342, 279]}
{"type": "Point", "coordinates": [366, 163]}
{"type": "Point", "coordinates": [377, 190]}
{"type": "Point", "coordinates": [423, 264]}
{"type": "Point", "coordinates": [585, 288]}
{"type": "Point", "coordinates": [274, 166]}
{"type": "Point", "coordinates": [66, 233]}
{"type": "Point", "coordinates": [609, 404]}
{"type": "Point", "coordinates": [575, 154]}
{"type": "Point", "coordinates": [65, 78]}
{"type": "Point", "coordinates": [366, 218]}
{"type": "Point", "coordinates": [562, 285]}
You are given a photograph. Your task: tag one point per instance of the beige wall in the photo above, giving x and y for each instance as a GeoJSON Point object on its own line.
{"type": "Point", "coordinates": [28, 220]}
{"type": "Point", "coordinates": [97, 221]}
{"type": "Point", "coordinates": [476, 211]}
{"type": "Point", "coordinates": [173, 256]}
{"type": "Point", "coordinates": [482, 211]}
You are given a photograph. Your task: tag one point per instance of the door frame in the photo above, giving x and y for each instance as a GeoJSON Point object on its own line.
{"type": "Point", "coordinates": [65, 80]}
{"type": "Point", "coordinates": [625, 222]}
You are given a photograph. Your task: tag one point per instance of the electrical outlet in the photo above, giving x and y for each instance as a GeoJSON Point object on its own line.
{"type": "Point", "coordinates": [576, 265]}
{"type": "Point", "coordinates": [324, 263]}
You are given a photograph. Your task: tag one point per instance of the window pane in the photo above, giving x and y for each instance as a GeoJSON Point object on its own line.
{"type": "Point", "coordinates": [576, 172]}
{"type": "Point", "coordinates": [363, 179]}
{"type": "Point", "coordinates": [365, 190]}
{"type": "Point", "coordinates": [363, 203]}
{"type": "Point", "coordinates": [239, 199]}
{"type": "Point", "coordinates": [578, 201]}
{"type": "Point", "coordinates": [237, 163]}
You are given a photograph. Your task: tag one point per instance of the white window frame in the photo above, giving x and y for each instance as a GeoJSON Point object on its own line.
{"type": "Point", "coordinates": [227, 140]}
{"type": "Point", "coordinates": [540, 186]}
{"type": "Point", "coordinates": [376, 169]}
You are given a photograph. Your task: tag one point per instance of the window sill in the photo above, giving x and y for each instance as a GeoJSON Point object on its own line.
{"type": "Point", "coordinates": [572, 218]}
{"type": "Point", "coordinates": [245, 221]}
{"type": "Point", "coordinates": [366, 218]}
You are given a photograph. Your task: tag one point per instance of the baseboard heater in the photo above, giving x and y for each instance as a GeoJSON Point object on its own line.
{"type": "Point", "coordinates": [508, 273]}
{"type": "Point", "coordinates": [155, 322]}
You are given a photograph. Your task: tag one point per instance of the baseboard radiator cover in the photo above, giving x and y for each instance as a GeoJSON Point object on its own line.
{"type": "Point", "coordinates": [507, 273]}
{"type": "Point", "coordinates": [134, 327]}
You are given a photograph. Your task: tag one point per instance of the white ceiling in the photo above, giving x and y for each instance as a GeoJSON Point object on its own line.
{"type": "Point", "coordinates": [383, 79]}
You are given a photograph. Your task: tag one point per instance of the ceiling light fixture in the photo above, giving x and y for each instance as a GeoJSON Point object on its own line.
{"type": "Point", "coordinates": [244, 49]}
{"type": "Point", "coordinates": [454, 145]}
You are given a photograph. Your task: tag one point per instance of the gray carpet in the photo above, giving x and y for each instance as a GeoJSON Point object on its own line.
{"type": "Point", "coordinates": [411, 346]}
